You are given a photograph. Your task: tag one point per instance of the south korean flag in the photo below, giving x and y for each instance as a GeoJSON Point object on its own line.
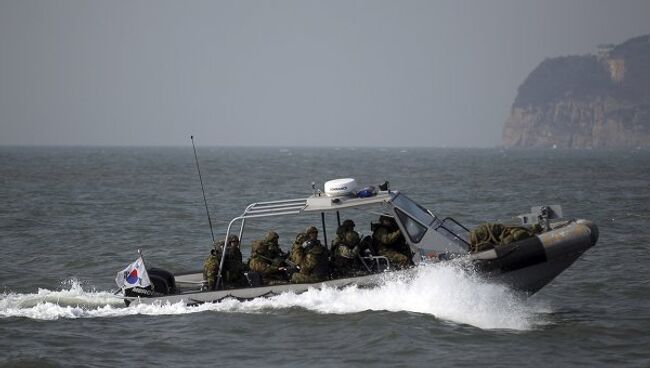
{"type": "Point", "coordinates": [133, 275]}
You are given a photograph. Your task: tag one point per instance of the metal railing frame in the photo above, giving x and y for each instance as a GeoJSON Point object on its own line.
{"type": "Point", "coordinates": [257, 210]}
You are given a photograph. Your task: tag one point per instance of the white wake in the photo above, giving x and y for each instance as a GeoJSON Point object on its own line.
{"type": "Point", "coordinates": [444, 291]}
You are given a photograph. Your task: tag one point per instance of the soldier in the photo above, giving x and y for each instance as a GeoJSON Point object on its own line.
{"type": "Point", "coordinates": [211, 266]}
{"type": "Point", "coordinates": [345, 250]}
{"type": "Point", "coordinates": [297, 254]}
{"type": "Point", "coordinates": [315, 264]}
{"type": "Point", "coordinates": [270, 269]}
{"type": "Point", "coordinates": [274, 250]}
{"type": "Point", "coordinates": [391, 242]}
{"type": "Point", "coordinates": [489, 235]}
{"type": "Point", "coordinates": [233, 267]}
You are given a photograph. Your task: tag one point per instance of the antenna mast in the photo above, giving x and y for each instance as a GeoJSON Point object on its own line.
{"type": "Point", "coordinates": [205, 201]}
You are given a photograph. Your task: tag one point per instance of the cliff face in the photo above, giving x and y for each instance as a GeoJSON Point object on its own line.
{"type": "Point", "coordinates": [585, 101]}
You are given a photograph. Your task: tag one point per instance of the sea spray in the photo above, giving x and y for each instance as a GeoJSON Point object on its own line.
{"type": "Point", "coordinates": [446, 291]}
{"type": "Point", "coordinates": [74, 294]}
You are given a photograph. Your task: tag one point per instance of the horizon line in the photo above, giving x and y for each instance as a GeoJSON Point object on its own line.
{"type": "Point", "coordinates": [29, 145]}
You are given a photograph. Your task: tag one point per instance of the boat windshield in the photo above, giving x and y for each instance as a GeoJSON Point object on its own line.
{"type": "Point", "coordinates": [414, 210]}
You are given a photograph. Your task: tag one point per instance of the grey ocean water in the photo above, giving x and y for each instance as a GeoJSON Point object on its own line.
{"type": "Point", "coordinates": [70, 218]}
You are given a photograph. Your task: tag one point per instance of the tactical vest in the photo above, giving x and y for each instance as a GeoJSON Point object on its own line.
{"type": "Point", "coordinates": [322, 269]}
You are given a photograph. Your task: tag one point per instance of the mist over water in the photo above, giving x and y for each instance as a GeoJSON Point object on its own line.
{"type": "Point", "coordinates": [72, 217]}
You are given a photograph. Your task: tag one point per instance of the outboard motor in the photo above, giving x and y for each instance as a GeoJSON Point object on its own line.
{"type": "Point", "coordinates": [542, 215]}
{"type": "Point", "coordinates": [163, 281]}
{"type": "Point", "coordinates": [254, 279]}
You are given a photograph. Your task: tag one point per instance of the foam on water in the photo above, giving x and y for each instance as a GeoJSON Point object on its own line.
{"type": "Point", "coordinates": [441, 290]}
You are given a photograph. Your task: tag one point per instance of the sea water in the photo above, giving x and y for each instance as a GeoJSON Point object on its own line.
{"type": "Point", "coordinates": [72, 217]}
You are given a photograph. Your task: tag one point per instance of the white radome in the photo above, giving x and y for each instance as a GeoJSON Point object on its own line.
{"type": "Point", "coordinates": [340, 187]}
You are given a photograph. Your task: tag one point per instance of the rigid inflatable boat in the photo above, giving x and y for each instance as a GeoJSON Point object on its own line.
{"type": "Point", "coordinates": [525, 265]}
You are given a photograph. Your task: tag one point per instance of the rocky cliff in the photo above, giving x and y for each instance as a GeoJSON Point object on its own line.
{"type": "Point", "coordinates": [589, 101]}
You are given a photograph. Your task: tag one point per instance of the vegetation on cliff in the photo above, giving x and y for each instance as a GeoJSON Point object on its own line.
{"type": "Point", "coordinates": [570, 76]}
{"type": "Point", "coordinates": [588, 101]}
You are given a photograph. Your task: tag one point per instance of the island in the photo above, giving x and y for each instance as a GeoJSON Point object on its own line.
{"type": "Point", "coordinates": [594, 101]}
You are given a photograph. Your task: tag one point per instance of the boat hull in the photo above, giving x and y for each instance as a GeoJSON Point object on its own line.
{"type": "Point", "coordinates": [529, 265]}
{"type": "Point", "coordinates": [525, 266]}
{"type": "Point", "coordinates": [200, 297]}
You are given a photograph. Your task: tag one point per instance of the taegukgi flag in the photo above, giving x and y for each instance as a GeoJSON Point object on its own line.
{"type": "Point", "coordinates": [133, 275]}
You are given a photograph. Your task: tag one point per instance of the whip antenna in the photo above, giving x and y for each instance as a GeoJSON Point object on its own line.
{"type": "Point", "coordinates": [205, 201]}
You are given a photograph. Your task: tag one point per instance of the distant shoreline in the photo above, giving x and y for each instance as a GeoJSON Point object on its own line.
{"type": "Point", "coordinates": [342, 148]}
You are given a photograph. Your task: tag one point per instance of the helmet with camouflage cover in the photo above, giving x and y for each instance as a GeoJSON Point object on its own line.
{"type": "Point", "coordinates": [348, 224]}
{"type": "Point", "coordinates": [259, 247]}
{"type": "Point", "coordinates": [386, 220]}
{"type": "Point", "coordinates": [311, 229]}
{"type": "Point", "coordinates": [301, 238]}
{"type": "Point", "coordinates": [271, 236]}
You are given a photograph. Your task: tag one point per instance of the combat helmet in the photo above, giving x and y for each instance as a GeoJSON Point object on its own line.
{"type": "Point", "coordinates": [301, 238]}
{"type": "Point", "coordinates": [348, 224]}
{"type": "Point", "coordinates": [311, 229]}
{"type": "Point", "coordinates": [272, 236]}
{"type": "Point", "coordinates": [386, 220]}
{"type": "Point", "coordinates": [259, 247]}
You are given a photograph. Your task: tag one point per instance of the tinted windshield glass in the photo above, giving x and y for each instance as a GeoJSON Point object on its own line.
{"type": "Point", "coordinates": [414, 230]}
{"type": "Point", "coordinates": [413, 209]}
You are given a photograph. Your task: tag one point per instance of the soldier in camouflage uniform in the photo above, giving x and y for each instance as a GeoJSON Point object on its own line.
{"type": "Point", "coordinates": [271, 270]}
{"type": "Point", "coordinates": [274, 250]}
{"type": "Point", "coordinates": [315, 264]}
{"type": "Point", "coordinates": [233, 267]}
{"type": "Point", "coordinates": [211, 265]}
{"type": "Point", "coordinates": [391, 243]}
{"type": "Point", "coordinates": [297, 253]}
{"type": "Point", "coordinates": [491, 235]}
{"type": "Point", "coordinates": [345, 250]}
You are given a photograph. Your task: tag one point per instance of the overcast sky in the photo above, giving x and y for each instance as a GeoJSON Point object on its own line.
{"type": "Point", "coordinates": [283, 73]}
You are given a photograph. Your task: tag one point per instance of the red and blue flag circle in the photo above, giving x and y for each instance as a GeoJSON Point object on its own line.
{"type": "Point", "coordinates": [132, 277]}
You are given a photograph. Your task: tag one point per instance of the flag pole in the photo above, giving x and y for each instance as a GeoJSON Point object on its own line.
{"type": "Point", "coordinates": [144, 265]}
{"type": "Point", "coordinates": [142, 258]}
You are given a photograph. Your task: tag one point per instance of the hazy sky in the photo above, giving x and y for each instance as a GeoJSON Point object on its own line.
{"type": "Point", "coordinates": [285, 73]}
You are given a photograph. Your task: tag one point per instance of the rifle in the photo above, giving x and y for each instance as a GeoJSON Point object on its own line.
{"type": "Point", "coordinates": [285, 261]}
